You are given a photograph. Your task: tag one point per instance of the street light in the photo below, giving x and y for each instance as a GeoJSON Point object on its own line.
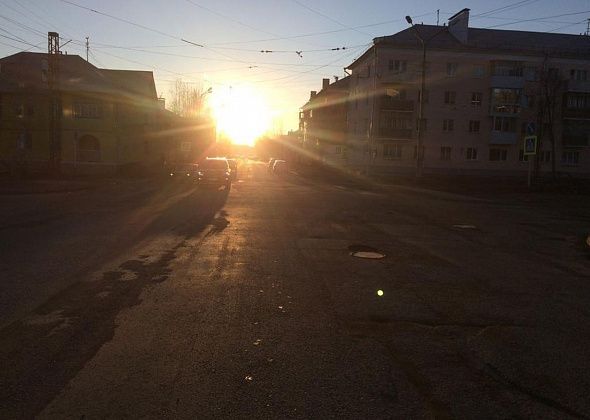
{"type": "Point", "coordinates": [419, 147]}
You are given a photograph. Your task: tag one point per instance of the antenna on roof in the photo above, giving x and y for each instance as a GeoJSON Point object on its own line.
{"type": "Point", "coordinates": [87, 48]}
{"type": "Point", "coordinates": [588, 28]}
{"type": "Point", "coordinates": [437, 16]}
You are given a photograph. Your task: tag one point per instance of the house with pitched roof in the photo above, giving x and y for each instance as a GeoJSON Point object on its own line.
{"type": "Point", "coordinates": [108, 119]}
{"type": "Point", "coordinates": [485, 91]}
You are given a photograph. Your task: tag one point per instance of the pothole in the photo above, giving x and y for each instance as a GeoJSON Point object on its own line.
{"type": "Point", "coordinates": [365, 251]}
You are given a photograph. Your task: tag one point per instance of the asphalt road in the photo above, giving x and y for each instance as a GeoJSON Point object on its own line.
{"type": "Point", "coordinates": [157, 299]}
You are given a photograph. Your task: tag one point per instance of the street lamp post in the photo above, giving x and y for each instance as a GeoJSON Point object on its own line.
{"type": "Point", "coordinates": [419, 145]}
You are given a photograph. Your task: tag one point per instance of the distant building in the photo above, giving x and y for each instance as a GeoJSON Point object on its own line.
{"type": "Point", "coordinates": [323, 122]}
{"type": "Point", "coordinates": [108, 119]}
{"type": "Point", "coordinates": [485, 90]}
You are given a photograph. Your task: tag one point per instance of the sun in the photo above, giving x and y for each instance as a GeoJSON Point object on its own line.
{"type": "Point", "coordinates": [241, 114]}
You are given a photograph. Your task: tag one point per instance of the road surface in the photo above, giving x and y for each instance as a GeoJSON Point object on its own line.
{"type": "Point", "coordinates": [157, 299]}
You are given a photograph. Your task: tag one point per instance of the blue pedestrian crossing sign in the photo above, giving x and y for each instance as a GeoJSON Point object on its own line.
{"type": "Point", "coordinates": [530, 145]}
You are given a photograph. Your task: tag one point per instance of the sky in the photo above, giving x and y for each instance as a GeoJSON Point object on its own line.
{"type": "Point", "coordinates": [217, 43]}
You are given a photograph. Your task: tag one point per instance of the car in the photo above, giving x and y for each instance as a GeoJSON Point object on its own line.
{"type": "Point", "coordinates": [271, 162]}
{"type": "Point", "coordinates": [233, 166]}
{"type": "Point", "coordinates": [184, 170]}
{"type": "Point", "coordinates": [279, 167]}
{"type": "Point", "coordinates": [214, 172]}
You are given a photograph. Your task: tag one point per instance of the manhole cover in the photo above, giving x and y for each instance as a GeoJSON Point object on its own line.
{"type": "Point", "coordinates": [465, 226]}
{"type": "Point", "coordinates": [364, 251]}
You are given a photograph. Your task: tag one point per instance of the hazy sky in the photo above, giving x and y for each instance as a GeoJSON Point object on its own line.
{"type": "Point", "coordinates": [232, 34]}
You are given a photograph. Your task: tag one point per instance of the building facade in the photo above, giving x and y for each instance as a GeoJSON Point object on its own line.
{"type": "Point", "coordinates": [485, 90]}
{"type": "Point", "coordinates": [105, 120]}
{"type": "Point", "coordinates": [323, 122]}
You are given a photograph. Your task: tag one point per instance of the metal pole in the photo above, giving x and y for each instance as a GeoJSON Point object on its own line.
{"type": "Point", "coordinates": [419, 153]}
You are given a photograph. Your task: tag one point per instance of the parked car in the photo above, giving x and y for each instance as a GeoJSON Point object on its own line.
{"type": "Point", "coordinates": [271, 162]}
{"type": "Point", "coordinates": [184, 170]}
{"type": "Point", "coordinates": [233, 166]}
{"type": "Point", "coordinates": [214, 172]}
{"type": "Point", "coordinates": [279, 167]}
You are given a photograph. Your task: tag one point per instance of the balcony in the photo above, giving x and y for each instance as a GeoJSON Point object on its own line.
{"type": "Point", "coordinates": [508, 82]}
{"type": "Point", "coordinates": [396, 133]}
{"type": "Point", "coordinates": [578, 85]}
{"type": "Point", "coordinates": [387, 103]}
{"type": "Point", "coordinates": [577, 113]}
{"type": "Point", "coordinates": [503, 137]}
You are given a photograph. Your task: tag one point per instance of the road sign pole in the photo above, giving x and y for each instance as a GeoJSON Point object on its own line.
{"type": "Point", "coordinates": [529, 177]}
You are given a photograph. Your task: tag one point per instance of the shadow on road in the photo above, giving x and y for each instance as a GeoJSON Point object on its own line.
{"type": "Point", "coordinates": [42, 352]}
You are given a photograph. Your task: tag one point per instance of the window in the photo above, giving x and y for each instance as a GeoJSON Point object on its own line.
{"type": "Point", "coordinates": [450, 97]}
{"type": "Point", "coordinates": [30, 110]}
{"type": "Point", "coordinates": [90, 111]}
{"type": "Point", "coordinates": [507, 68]}
{"type": "Point", "coordinates": [338, 150]}
{"type": "Point", "coordinates": [581, 75]}
{"type": "Point", "coordinates": [146, 147]}
{"type": "Point", "coordinates": [24, 141]}
{"type": "Point", "coordinates": [451, 69]}
{"type": "Point", "coordinates": [474, 126]}
{"type": "Point", "coordinates": [578, 101]}
{"type": "Point", "coordinates": [400, 66]}
{"type": "Point", "coordinates": [505, 124]}
{"type": "Point", "coordinates": [448, 125]}
{"type": "Point", "coordinates": [390, 65]}
{"type": "Point", "coordinates": [498, 154]}
{"type": "Point", "coordinates": [19, 110]}
{"type": "Point", "coordinates": [570, 157]}
{"type": "Point", "coordinates": [445, 153]}
{"type": "Point", "coordinates": [367, 99]}
{"type": "Point", "coordinates": [476, 98]}
{"type": "Point", "coordinates": [522, 157]}
{"type": "Point", "coordinates": [88, 149]}
{"type": "Point", "coordinates": [506, 101]}
{"type": "Point", "coordinates": [479, 71]}
{"type": "Point", "coordinates": [392, 151]}
{"type": "Point", "coordinates": [471, 153]}
{"type": "Point", "coordinates": [369, 70]}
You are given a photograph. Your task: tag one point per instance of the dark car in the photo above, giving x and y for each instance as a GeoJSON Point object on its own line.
{"type": "Point", "coordinates": [214, 172]}
{"type": "Point", "coordinates": [185, 170]}
{"type": "Point", "coordinates": [233, 166]}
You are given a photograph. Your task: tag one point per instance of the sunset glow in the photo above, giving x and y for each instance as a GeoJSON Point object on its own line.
{"type": "Point", "coordinates": [241, 114]}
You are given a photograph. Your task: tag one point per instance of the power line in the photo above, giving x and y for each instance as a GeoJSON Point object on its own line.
{"type": "Point", "coordinates": [537, 19]}
{"type": "Point", "coordinates": [505, 8]}
{"type": "Point", "coordinates": [316, 33]}
{"type": "Point", "coordinates": [331, 19]}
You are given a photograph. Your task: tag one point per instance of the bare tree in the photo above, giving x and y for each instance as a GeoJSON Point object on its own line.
{"type": "Point", "coordinates": [550, 93]}
{"type": "Point", "coordinates": [186, 100]}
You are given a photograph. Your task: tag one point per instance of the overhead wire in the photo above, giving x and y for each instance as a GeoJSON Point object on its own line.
{"type": "Point", "coordinates": [331, 19]}
{"type": "Point", "coordinates": [537, 19]}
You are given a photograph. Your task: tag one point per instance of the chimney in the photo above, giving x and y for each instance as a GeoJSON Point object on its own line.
{"type": "Point", "coordinates": [325, 83]}
{"type": "Point", "coordinates": [459, 25]}
{"type": "Point", "coordinates": [336, 78]}
{"type": "Point", "coordinates": [312, 94]}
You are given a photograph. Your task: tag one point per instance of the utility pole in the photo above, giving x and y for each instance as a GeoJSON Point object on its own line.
{"type": "Point", "coordinates": [53, 55]}
{"type": "Point", "coordinates": [87, 48]}
{"type": "Point", "coordinates": [588, 27]}
{"type": "Point", "coordinates": [420, 128]}
{"type": "Point", "coordinates": [437, 16]}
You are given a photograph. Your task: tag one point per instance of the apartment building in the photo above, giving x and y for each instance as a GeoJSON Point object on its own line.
{"type": "Point", "coordinates": [322, 121]}
{"type": "Point", "coordinates": [485, 90]}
